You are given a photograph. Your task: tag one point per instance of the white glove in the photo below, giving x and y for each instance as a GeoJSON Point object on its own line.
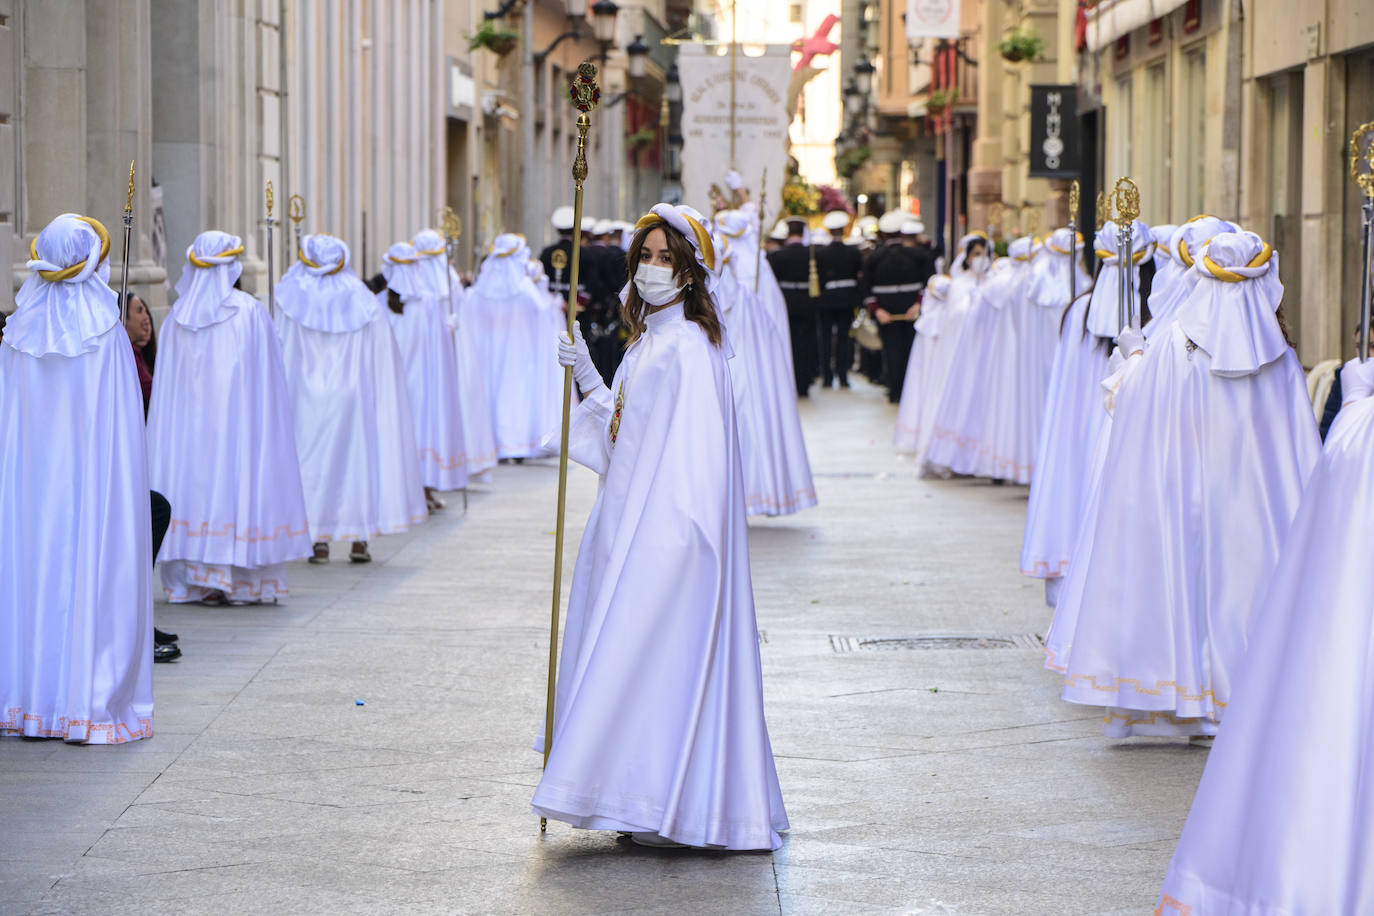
{"type": "Point", "coordinates": [572, 352]}
{"type": "Point", "coordinates": [1131, 342]}
{"type": "Point", "coordinates": [1357, 380]}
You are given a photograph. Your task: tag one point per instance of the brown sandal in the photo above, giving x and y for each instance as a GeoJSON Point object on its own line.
{"type": "Point", "coordinates": [359, 553]}
{"type": "Point", "coordinates": [321, 552]}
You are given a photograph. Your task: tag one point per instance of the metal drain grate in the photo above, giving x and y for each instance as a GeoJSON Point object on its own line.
{"type": "Point", "coordinates": [941, 641]}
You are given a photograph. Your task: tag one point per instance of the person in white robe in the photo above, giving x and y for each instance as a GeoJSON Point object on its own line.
{"type": "Point", "coordinates": [76, 597]}
{"type": "Point", "coordinates": [238, 509]}
{"type": "Point", "coordinates": [916, 411]}
{"type": "Point", "coordinates": [952, 351]}
{"type": "Point", "coordinates": [1282, 818]}
{"type": "Point", "coordinates": [1074, 416]}
{"type": "Point", "coordinates": [418, 315]}
{"type": "Point", "coordinates": [355, 435]}
{"type": "Point", "coordinates": [755, 274]}
{"type": "Point", "coordinates": [442, 282]}
{"type": "Point", "coordinates": [1212, 439]}
{"type": "Point", "coordinates": [777, 470]}
{"type": "Point", "coordinates": [978, 425]}
{"type": "Point", "coordinates": [1173, 283]}
{"type": "Point", "coordinates": [662, 581]}
{"type": "Point", "coordinates": [515, 336]}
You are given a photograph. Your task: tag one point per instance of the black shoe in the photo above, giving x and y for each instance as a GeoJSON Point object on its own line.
{"type": "Point", "coordinates": [168, 653]}
{"type": "Point", "coordinates": [163, 639]}
{"type": "Point", "coordinates": [844, 383]}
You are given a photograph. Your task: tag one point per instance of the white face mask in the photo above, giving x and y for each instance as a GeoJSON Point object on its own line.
{"type": "Point", "coordinates": [979, 263]}
{"type": "Point", "coordinates": [656, 285]}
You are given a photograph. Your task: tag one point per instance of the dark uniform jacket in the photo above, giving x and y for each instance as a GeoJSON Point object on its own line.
{"type": "Point", "coordinates": [558, 280]}
{"type": "Point", "coordinates": [895, 277]}
{"type": "Point", "coordinates": [840, 267]}
{"type": "Point", "coordinates": [792, 266]}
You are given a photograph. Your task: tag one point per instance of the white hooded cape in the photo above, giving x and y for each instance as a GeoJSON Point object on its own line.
{"type": "Point", "coordinates": [76, 596]}
{"type": "Point", "coordinates": [354, 432]}
{"type": "Point", "coordinates": [659, 722]}
{"type": "Point", "coordinates": [234, 485]}
{"type": "Point", "coordinates": [916, 412]}
{"type": "Point", "coordinates": [1282, 818]}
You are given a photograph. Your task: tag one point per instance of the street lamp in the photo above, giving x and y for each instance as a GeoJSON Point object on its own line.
{"type": "Point", "coordinates": [674, 85]}
{"type": "Point", "coordinates": [577, 9]}
{"type": "Point", "coordinates": [603, 21]}
{"type": "Point", "coordinates": [638, 53]}
{"type": "Point", "coordinates": [863, 76]}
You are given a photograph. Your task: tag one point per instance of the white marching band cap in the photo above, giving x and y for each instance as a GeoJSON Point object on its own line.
{"type": "Point", "coordinates": [563, 218]}
{"type": "Point", "coordinates": [890, 223]}
{"type": "Point", "coordinates": [835, 219]}
{"type": "Point", "coordinates": [855, 238]}
{"type": "Point", "coordinates": [779, 232]}
{"type": "Point", "coordinates": [913, 227]}
{"type": "Point", "coordinates": [821, 237]}
{"type": "Point", "coordinates": [603, 227]}
{"type": "Point", "coordinates": [588, 223]}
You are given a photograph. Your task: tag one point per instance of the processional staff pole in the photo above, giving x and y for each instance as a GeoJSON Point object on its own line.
{"type": "Point", "coordinates": [295, 208]}
{"type": "Point", "coordinates": [128, 234]}
{"type": "Point", "coordinates": [451, 226]}
{"type": "Point", "coordinates": [758, 249]}
{"type": "Point", "coordinates": [585, 94]}
{"type": "Point", "coordinates": [1366, 182]}
{"type": "Point", "coordinates": [1127, 199]}
{"type": "Point", "coordinates": [1073, 241]}
{"type": "Point", "coordinates": [271, 280]}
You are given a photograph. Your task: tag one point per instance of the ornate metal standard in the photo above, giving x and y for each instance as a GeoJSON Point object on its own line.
{"type": "Point", "coordinates": [1104, 209]}
{"type": "Point", "coordinates": [271, 280]}
{"type": "Point", "coordinates": [1365, 180]}
{"type": "Point", "coordinates": [758, 249]}
{"type": "Point", "coordinates": [452, 227]}
{"type": "Point", "coordinates": [1126, 196]}
{"type": "Point", "coordinates": [295, 208]}
{"type": "Point", "coordinates": [584, 93]}
{"type": "Point", "coordinates": [1073, 241]}
{"type": "Point", "coordinates": [128, 234]}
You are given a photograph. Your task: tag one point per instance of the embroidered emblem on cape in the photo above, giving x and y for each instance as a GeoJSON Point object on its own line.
{"type": "Point", "coordinates": [615, 417]}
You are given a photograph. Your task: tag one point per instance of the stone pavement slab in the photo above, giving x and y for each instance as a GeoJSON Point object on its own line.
{"type": "Point", "coordinates": [918, 780]}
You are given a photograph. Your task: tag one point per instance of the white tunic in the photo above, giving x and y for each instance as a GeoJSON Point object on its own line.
{"type": "Point", "coordinates": [945, 354]}
{"type": "Point", "coordinates": [429, 355]}
{"type": "Point", "coordinates": [777, 471]}
{"type": "Point", "coordinates": [1282, 818]}
{"type": "Point", "coordinates": [659, 722]}
{"type": "Point", "coordinates": [76, 598]}
{"type": "Point", "coordinates": [354, 431]}
{"type": "Point", "coordinates": [234, 485]}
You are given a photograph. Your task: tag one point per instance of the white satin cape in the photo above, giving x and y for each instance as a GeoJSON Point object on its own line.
{"type": "Point", "coordinates": [1282, 818]}
{"type": "Point", "coordinates": [354, 431]}
{"type": "Point", "coordinates": [430, 358]}
{"type": "Point", "coordinates": [946, 352]}
{"type": "Point", "coordinates": [514, 344]}
{"type": "Point", "coordinates": [479, 433]}
{"type": "Point", "coordinates": [76, 596]}
{"type": "Point", "coordinates": [234, 484]}
{"type": "Point", "coordinates": [777, 471]}
{"type": "Point", "coordinates": [916, 410]}
{"type": "Point", "coordinates": [1201, 480]}
{"type": "Point", "coordinates": [659, 722]}
{"type": "Point", "coordinates": [1063, 457]}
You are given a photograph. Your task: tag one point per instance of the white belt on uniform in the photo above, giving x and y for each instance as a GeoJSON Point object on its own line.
{"type": "Point", "coordinates": [841, 284]}
{"type": "Point", "coordinates": [898, 288]}
{"type": "Point", "coordinates": [793, 284]}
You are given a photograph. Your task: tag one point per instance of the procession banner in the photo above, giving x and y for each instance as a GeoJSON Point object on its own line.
{"type": "Point", "coordinates": [931, 19]}
{"type": "Point", "coordinates": [1054, 131]}
{"type": "Point", "coordinates": [761, 119]}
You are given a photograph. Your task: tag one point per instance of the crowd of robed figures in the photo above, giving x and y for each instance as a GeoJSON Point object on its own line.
{"type": "Point", "coordinates": [1205, 556]}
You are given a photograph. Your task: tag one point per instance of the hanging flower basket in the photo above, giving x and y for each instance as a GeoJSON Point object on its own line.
{"type": "Point", "coordinates": [641, 138]}
{"type": "Point", "coordinates": [940, 100]}
{"type": "Point", "coordinates": [852, 159]}
{"type": "Point", "coordinates": [499, 41]}
{"type": "Point", "coordinates": [1021, 44]}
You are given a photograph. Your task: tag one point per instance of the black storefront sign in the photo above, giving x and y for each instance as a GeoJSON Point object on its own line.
{"type": "Point", "coordinates": [1054, 140]}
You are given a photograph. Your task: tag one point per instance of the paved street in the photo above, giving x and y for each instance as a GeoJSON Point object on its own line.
{"type": "Point", "coordinates": [936, 776]}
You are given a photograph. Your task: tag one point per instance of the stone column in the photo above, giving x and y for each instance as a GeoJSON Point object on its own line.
{"type": "Point", "coordinates": [985, 170]}
{"type": "Point", "coordinates": [1320, 333]}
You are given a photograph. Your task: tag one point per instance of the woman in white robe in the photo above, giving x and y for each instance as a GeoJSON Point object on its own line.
{"type": "Point", "coordinates": [76, 596]}
{"type": "Point", "coordinates": [662, 583]}
{"type": "Point", "coordinates": [1212, 439]}
{"type": "Point", "coordinates": [474, 407]}
{"type": "Point", "coordinates": [1282, 818]}
{"type": "Point", "coordinates": [354, 433]}
{"type": "Point", "coordinates": [916, 410]}
{"type": "Point", "coordinates": [1074, 416]}
{"type": "Point", "coordinates": [777, 470]}
{"type": "Point", "coordinates": [418, 316]}
{"type": "Point", "coordinates": [952, 352]}
{"type": "Point", "coordinates": [1174, 283]}
{"type": "Point", "coordinates": [515, 339]}
{"type": "Point", "coordinates": [238, 510]}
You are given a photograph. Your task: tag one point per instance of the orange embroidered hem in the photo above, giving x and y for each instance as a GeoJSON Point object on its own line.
{"type": "Point", "coordinates": [230, 530]}
{"type": "Point", "coordinates": [18, 723]}
{"type": "Point", "coordinates": [1041, 569]}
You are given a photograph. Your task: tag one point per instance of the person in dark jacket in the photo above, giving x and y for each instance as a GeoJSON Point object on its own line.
{"type": "Point", "coordinates": [792, 266]}
{"type": "Point", "coordinates": [894, 277]}
{"type": "Point", "coordinates": [839, 267]}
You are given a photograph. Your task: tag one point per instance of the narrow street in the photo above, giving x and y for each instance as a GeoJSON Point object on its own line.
{"type": "Point", "coordinates": [364, 747]}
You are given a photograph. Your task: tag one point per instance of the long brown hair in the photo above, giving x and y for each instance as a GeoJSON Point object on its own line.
{"type": "Point", "coordinates": [697, 304]}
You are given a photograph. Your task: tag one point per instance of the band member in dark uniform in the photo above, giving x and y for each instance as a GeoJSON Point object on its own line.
{"type": "Point", "coordinates": [792, 266]}
{"type": "Point", "coordinates": [596, 323]}
{"type": "Point", "coordinates": [839, 266]}
{"type": "Point", "coordinates": [894, 277]}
